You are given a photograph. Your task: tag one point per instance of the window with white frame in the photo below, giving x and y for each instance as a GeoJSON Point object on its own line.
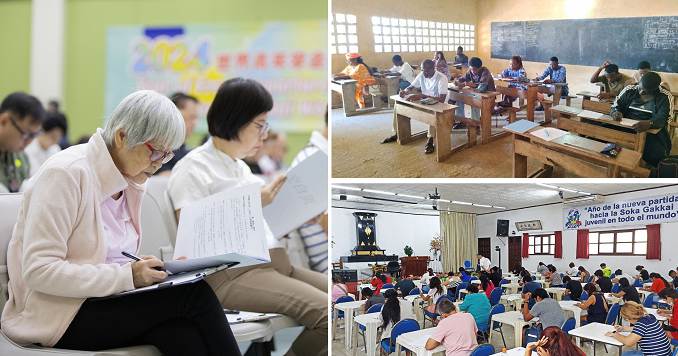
{"type": "Point", "coordinates": [343, 34]}
{"type": "Point", "coordinates": [410, 35]}
{"type": "Point", "coordinates": [542, 244]}
{"type": "Point", "coordinates": [619, 242]}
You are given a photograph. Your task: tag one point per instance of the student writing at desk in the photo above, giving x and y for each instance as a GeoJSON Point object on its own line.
{"type": "Point", "coordinates": [614, 81]}
{"type": "Point", "coordinates": [652, 105]}
{"type": "Point", "coordinates": [645, 67]}
{"type": "Point", "coordinates": [359, 71]}
{"type": "Point", "coordinates": [479, 78]}
{"type": "Point", "coordinates": [556, 74]}
{"type": "Point", "coordinates": [403, 69]}
{"type": "Point", "coordinates": [461, 58]}
{"type": "Point", "coordinates": [432, 84]}
{"type": "Point", "coordinates": [514, 71]}
{"type": "Point", "coordinates": [441, 64]}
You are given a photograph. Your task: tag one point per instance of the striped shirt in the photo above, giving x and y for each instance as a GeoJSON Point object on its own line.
{"type": "Point", "coordinates": [312, 235]}
{"type": "Point", "coordinates": [653, 340]}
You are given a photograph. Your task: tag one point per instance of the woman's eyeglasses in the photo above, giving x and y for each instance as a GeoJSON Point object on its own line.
{"type": "Point", "coordinates": [24, 134]}
{"type": "Point", "coordinates": [263, 129]}
{"type": "Point", "coordinates": [158, 155]}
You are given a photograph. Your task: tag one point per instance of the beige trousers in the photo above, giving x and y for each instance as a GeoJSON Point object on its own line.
{"type": "Point", "coordinates": [279, 287]}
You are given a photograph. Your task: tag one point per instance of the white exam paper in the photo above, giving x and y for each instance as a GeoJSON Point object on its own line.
{"type": "Point", "coordinates": [227, 222]}
{"type": "Point", "coordinates": [548, 133]}
{"type": "Point", "coordinates": [302, 197]}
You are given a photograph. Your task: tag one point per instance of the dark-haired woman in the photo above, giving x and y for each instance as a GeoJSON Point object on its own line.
{"type": "Point", "coordinates": [596, 305]}
{"type": "Point", "coordinates": [360, 72]}
{"type": "Point", "coordinates": [435, 292]}
{"type": "Point", "coordinates": [441, 64]}
{"type": "Point", "coordinates": [238, 123]}
{"type": "Point", "coordinates": [515, 72]}
{"type": "Point", "coordinates": [627, 291]}
{"type": "Point", "coordinates": [390, 313]}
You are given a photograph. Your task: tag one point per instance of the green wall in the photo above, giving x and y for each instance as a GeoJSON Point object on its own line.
{"type": "Point", "coordinates": [88, 20]}
{"type": "Point", "coordinates": [15, 45]}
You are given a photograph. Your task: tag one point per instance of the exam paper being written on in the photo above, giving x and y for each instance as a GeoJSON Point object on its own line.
{"type": "Point", "coordinates": [301, 198]}
{"type": "Point", "coordinates": [227, 222]}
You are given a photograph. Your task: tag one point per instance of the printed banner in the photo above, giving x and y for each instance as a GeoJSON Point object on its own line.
{"type": "Point", "coordinates": [645, 211]}
{"type": "Point", "coordinates": [288, 58]}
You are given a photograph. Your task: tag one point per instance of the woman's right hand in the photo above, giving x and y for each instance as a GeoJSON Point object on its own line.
{"type": "Point", "coordinates": [269, 191]}
{"type": "Point", "coordinates": [144, 272]}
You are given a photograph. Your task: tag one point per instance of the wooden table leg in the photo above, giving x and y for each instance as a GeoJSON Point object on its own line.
{"type": "Point", "coordinates": [486, 119]}
{"type": "Point", "coordinates": [519, 161]}
{"type": "Point", "coordinates": [403, 128]}
{"type": "Point", "coordinates": [443, 139]}
{"type": "Point", "coordinates": [531, 99]}
{"type": "Point", "coordinates": [348, 98]}
{"type": "Point", "coordinates": [556, 95]}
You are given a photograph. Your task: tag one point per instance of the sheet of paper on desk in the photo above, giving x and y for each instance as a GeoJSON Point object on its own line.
{"type": "Point", "coordinates": [521, 126]}
{"type": "Point", "coordinates": [548, 133]}
{"type": "Point", "coordinates": [568, 109]}
{"type": "Point", "coordinates": [587, 114]}
{"type": "Point", "coordinates": [243, 317]}
{"type": "Point", "coordinates": [227, 222]}
{"type": "Point", "coordinates": [301, 198]}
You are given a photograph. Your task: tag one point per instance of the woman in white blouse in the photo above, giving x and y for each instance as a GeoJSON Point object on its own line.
{"type": "Point", "coordinates": [237, 123]}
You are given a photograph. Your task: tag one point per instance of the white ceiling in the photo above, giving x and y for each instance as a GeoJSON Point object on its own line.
{"type": "Point", "coordinates": [510, 196]}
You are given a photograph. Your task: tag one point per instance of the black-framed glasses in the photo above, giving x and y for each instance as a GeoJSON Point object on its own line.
{"type": "Point", "coordinates": [24, 134]}
{"type": "Point", "coordinates": [159, 155]}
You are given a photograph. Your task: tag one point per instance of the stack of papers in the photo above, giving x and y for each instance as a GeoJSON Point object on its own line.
{"type": "Point", "coordinates": [244, 317]}
{"type": "Point", "coordinates": [549, 133]}
{"type": "Point", "coordinates": [587, 114]}
{"type": "Point", "coordinates": [567, 109]}
{"type": "Point", "coordinates": [521, 126]}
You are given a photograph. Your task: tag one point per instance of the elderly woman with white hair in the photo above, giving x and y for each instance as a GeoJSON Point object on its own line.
{"type": "Point", "coordinates": [80, 212]}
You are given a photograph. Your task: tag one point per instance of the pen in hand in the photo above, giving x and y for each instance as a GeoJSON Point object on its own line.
{"type": "Point", "coordinates": [137, 258]}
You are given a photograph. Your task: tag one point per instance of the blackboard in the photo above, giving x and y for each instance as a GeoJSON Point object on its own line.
{"type": "Point", "coordinates": [623, 41]}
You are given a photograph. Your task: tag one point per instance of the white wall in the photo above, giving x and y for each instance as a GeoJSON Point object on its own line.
{"type": "Point", "coordinates": [394, 231]}
{"type": "Point", "coordinates": [551, 218]}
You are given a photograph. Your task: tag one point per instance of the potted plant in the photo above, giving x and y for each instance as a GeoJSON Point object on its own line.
{"type": "Point", "coordinates": [408, 251]}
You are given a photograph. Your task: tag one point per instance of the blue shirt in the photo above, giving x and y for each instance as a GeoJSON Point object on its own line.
{"type": "Point", "coordinates": [479, 306]}
{"type": "Point", "coordinates": [557, 76]}
{"type": "Point", "coordinates": [510, 73]}
{"type": "Point", "coordinates": [653, 340]}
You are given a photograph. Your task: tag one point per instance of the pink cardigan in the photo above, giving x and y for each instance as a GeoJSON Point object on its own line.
{"type": "Point", "coordinates": [56, 258]}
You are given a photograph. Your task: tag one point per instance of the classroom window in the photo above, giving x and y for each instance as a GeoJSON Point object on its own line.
{"type": "Point", "coordinates": [343, 34]}
{"type": "Point", "coordinates": [619, 242]}
{"type": "Point", "coordinates": [412, 35]}
{"type": "Point", "coordinates": [542, 245]}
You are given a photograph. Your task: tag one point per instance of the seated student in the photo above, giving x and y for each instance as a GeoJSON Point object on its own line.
{"type": "Point", "coordinates": [390, 313]}
{"type": "Point", "coordinates": [371, 298]}
{"type": "Point", "coordinates": [607, 271]}
{"type": "Point", "coordinates": [431, 84]}
{"type": "Point", "coordinates": [188, 106]}
{"type": "Point", "coordinates": [478, 78]}
{"type": "Point", "coordinates": [554, 278]}
{"type": "Point", "coordinates": [378, 281]}
{"type": "Point", "coordinates": [613, 81]}
{"type": "Point", "coordinates": [478, 305]}
{"type": "Point", "coordinates": [604, 283]}
{"type": "Point", "coordinates": [671, 296]}
{"type": "Point", "coordinates": [553, 342]}
{"type": "Point", "coordinates": [674, 278]}
{"type": "Point", "coordinates": [653, 106]}
{"type": "Point", "coordinates": [426, 277]}
{"type": "Point", "coordinates": [452, 282]}
{"type": "Point", "coordinates": [646, 332]}
{"type": "Point", "coordinates": [404, 70]}
{"type": "Point", "coordinates": [573, 271]}
{"type": "Point", "coordinates": [643, 275]}
{"type": "Point", "coordinates": [584, 275]}
{"type": "Point", "coordinates": [618, 274]}
{"type": "Point", "coordinates": [339, 289]}
{"type": "Point", "coordinates": [486, 284]}
{"type": "Point", "coordinates": [627, 292]}
{"type": "Point", "coordinates": [573, 288]}
{"type": "Point", "coordinates": [238, 124]}
{"type": "Point", "coordinates": [359, 71]}
{"type": "Point", "coordinates": [460, 57]}
{"type": "Point", "coordinates": [645, 67]}
{"type": "Point", "coordinates": [542, 269]}
{"type": "Point", "coordinates": [556, 74]}
{"type": "Point", "coordinates": [547, 309]}
{"type": "Point", "coordinates": [595, 305]}
{"type": "Point", "coordinates": [658, 283]}
{"type": "Point", "coordinates": [47, 143]}
{"type": "Point", "coordinates": [456, 331]}
{"type": "Point", "coordinates": [465, 277]}
{"type": "Point", "coordinates": [495, 276]}
{"type": "Point", "coordinates": [434, 293]}
{"type": "Point", "coordinates": [514, 71]}
{"type": "Point", "coordinates": [405, 286]}
{"type": "Point", "coordinates": [21, 117]}
{"type": "Point", "coordinates": [441, 64]}
{"type": "Point", "coordinates": [81, 212]}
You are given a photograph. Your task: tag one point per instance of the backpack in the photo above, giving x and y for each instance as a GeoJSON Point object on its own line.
{"type": "Point", "coordinates": [666, 168]}
{"type": "Point", "coordinates": [532, 334]}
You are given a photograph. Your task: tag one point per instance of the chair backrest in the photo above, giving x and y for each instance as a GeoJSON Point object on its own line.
{"type": "Point", "coordinates": [531, 286]}
{"type": "Point", "coordinates": [613, 314]}
{"type": "Point", "coordinates": [497, 309]}
{"type": "Point", "coordinates": [425, 289]}
{"type": "Point", "coordinates": [495, 296]}
{"type": "Point", "coordinates": [504, 281]}
{"type": "Point", "coordinates": [615, 288]}
{"type": "Point", "coordinates": [402, 327]}
{"type": "Point", "coordinates": [374, 308]}
{"type": "Point", "coordinates": [584, 296]}
{"type": "Point", "coordinates": [649, 300]}
{"type": "Point", "coordinates": [9, 206]}
{"type": "Point", "coordinates": [462, 285]}
{"type": "Point", "coordinates": [158, 222]}
{"type": "Point", "coordinates": [467, 264]}
{"type": "Point", "coordinates": [589, 279]}
{"type": "Point", "coordinates": [637, 283]}
{"type": "Point", "coordinates": [415, 291]}
{"type": "Point", "coordinates": [387, 285]}
{"type": "Point", "coordinates": [483, 350]}
{"type": "Point", "coordinates": [344, 299]}
{"type": "Point", "coordinates": [568, 325]}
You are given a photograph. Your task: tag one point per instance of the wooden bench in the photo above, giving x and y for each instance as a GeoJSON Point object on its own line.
{"type": "Point", "coordinates": [515, 93]}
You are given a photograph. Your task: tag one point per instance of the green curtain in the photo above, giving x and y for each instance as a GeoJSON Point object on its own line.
{"type": "Point", "coordinates": [458, 231]}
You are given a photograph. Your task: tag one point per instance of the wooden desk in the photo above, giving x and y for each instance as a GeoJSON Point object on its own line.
{"type": "Point", "coordinates": [390, 85]}
{"type": "Point", "coordinates": [485, 104]}
{"type": "Point", "coordinates": [346, 87]}
{"type": "Point", "coordinates": [414, 265]}
{"type": "Point", "coordinates": [573, 153]}
{"type": "Point", "coordinates": [438, 115]}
